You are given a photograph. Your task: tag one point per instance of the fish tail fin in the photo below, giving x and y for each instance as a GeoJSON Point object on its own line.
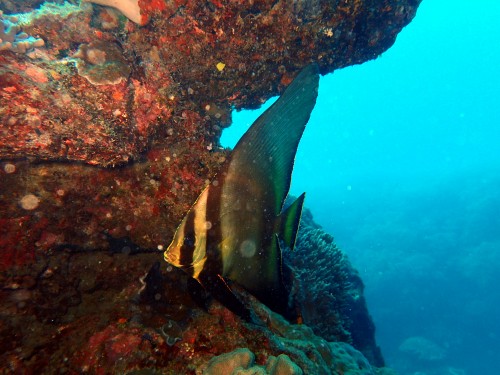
{"type": "Point", "coordinates": [290, 221]}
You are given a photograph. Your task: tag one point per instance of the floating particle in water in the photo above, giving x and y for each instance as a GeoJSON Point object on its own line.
{"type": "Point", "coordinates": [248, 248]}
{"type": "Point", "coordinates": [29, 202]}
{"type": "Point", "coordinates": [9, 168]}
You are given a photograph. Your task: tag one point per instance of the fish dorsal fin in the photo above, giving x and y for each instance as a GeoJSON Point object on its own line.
{"type": "Point", "coordinates": [266, 153]}
{"type": "Point", "coordinates": [289, 222]}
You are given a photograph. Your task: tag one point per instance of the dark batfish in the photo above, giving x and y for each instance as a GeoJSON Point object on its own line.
{"type": "Point", "coordinates": [236, 227]}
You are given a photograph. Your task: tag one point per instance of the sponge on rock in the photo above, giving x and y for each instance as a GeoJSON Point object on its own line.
{"type": "Point", "coordinates": [129, 8]}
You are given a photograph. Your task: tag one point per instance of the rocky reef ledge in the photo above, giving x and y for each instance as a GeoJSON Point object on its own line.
{"type": "Point", "coordinates": [122, 311]}
{"type": "Point", "coordinates": [96, 88]}
{"type": "Point", "coordinates": [147, 103]}
{"type": "Point", "coordinates": [109, 130]}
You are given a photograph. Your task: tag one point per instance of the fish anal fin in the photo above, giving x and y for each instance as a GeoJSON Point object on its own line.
{"type": "Point", "coordinates": [220, 290]}
{"type": "Point", "coordinates": [275, 296]}
{"type": "Point", "coordinates": [289, 222]}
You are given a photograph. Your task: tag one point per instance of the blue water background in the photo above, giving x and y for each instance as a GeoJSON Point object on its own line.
{"type": "Point", "coordinates": [401, 163]}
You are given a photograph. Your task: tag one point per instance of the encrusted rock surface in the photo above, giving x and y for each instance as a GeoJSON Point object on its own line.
{"type": "Point", "coordinates": [112, 312]}
{"type": "Point", "coordinates": [12, 38]}
{"type": "Point", "coordinates": [192, 57]}
{"type": "Point", "coordinates": [161, 119]}
{"type": "Point", "coordinates": [108, 132]}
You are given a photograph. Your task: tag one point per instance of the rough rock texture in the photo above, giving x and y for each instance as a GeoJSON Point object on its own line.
{"type": "Point", "coordinates": [11, 37]}
{"type": "Point", "coordinates": [97, 166]}
{"type": "Point", "coordinates": [50, 112]}
{"type": "Point", "coordinates": [87, 208]}
{"type": "Point", "coordinates": [98, 312]}
{"type": "Point", "coordinates": [422, 349]}
{"type": "Point", "coordinates": [241, 361]}
{"type": "Point", "coordinates": [15, 6]}
{"type": "Point", "coordinates": [166, 116]}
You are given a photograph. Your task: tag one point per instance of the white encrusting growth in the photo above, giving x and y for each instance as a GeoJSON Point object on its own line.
{"type": "Point", "coordinates": [12, 38]}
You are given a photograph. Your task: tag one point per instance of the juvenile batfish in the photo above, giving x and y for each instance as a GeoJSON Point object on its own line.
{"type": "Point", "coordinates": [235, 229]}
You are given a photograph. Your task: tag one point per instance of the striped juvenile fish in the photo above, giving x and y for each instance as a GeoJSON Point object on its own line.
{"type": "Point", "coordinates": [235, 229]}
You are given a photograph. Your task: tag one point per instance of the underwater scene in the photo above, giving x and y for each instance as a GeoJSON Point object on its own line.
{"type": "Point", "coordinates": [249, 187]}
{"type": "Point", "coordinates": [408, 183]}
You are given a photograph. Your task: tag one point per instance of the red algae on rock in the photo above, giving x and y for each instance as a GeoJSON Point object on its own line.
{"type": "Point", "coordinates": [108, 133]}
{"type": "Point", "coordinates": [174, 59]}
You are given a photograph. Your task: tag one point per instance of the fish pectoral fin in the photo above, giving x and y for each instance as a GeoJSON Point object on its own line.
{"type": "Point", "coordinates": [290, 221]}
{"type": "Point", "coordinates": [217, 286]}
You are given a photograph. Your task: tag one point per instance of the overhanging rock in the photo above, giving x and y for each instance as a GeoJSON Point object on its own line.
{"type": "Point", "coordinates": [191, 57]}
